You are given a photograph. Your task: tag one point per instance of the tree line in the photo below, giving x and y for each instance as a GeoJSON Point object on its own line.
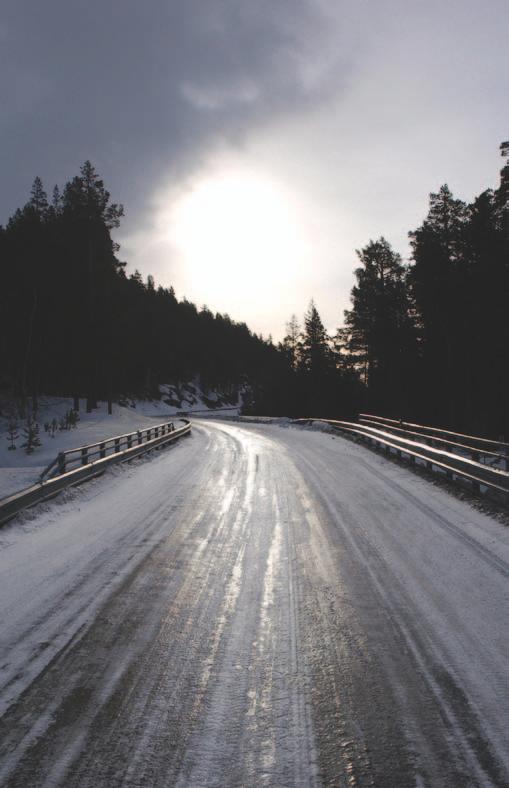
{"type": "Point", "coordinates": [73, 322]}
{"type": "Point", "coordinates": [426, 340]}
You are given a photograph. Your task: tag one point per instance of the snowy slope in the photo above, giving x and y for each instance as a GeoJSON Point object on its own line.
{"type": "Point", "coordinates": [18, 470]}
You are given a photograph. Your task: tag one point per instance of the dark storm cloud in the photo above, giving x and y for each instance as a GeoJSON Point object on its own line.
{"type": "Point", "coordinates": [142, 88]}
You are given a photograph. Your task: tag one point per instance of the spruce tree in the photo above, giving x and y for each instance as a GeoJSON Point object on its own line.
{"type": "Point", "coordinates": [38, 199]}
{"type": "Point", "coordinates": [315, 355]}
{"type": "Point", "coordinates": [13, 434]}
{"type": "Point", "coordinates": [378, 329]}
{"type": "Point", "coordinates": [90, 217]}
{"type": "Point", "coordinates": [31, 433]}
{"type": "Point", "coordinates": [437, 279]}
{"type": "Point", "coordinates": [291, 342]}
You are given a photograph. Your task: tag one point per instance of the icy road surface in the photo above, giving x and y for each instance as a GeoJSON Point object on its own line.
{"type": "Point", "coordinates": [256, 606]}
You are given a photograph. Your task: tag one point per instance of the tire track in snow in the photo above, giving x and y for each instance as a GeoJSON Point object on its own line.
{"type": "Point", "coordinates": [462, 745]}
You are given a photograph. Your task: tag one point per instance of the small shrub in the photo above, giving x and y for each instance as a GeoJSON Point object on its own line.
{"type": "Point", "coordinates": [31, 433]}
{"type": "Point", "coordinates": [13, 435]}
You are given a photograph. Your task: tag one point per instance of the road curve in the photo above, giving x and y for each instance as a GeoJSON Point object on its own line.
{"type": "Point", "coordinates": [257, 606]}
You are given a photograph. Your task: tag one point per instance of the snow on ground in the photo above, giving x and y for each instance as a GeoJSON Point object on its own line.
{"type": "Point", "coordinates": [190, 398]}
{"type": "Point", "coordinates": [19, 470]}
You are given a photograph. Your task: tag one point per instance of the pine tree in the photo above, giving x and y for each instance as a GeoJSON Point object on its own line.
{"type": "Point", "coordinates": [291, 342]}
{"type": "Point", "coordinates": [315, 356]}
{"type": "Point", "coordinates": [90, 217]}
{"type": "Point", "coordinates": [31, 433]}
{"type": "Point", "coordinates": [378, 329]}
{"type": "Point", "coordinates": [13, 435]}
{"type": "Point", "coordinates": [485, 335]}
{"type": "Point", "coordinates": [38, 199]}
{"type": "Point", "coordinates": [27, 232]}
{"type": "Point", "coordinates": [502, 193]}
{"type": "Point", "coordinates": [55, 208]}
{"type": "Point", "coordinates": [437, 279]}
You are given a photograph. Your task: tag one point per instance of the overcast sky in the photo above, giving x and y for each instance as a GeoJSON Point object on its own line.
{"type": "Point", "coordinates": [255, 145]}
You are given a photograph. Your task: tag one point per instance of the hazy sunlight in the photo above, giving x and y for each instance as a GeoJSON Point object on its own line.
{"type": "Point", "coordinates": [237, 235]}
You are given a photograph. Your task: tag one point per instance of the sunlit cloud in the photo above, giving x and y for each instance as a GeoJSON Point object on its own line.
{"type": "Point", "coordinates": [216, 98]}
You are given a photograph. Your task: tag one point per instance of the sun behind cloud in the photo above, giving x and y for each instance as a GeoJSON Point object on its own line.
{"type": "Point", "coordinates": [238, 238]}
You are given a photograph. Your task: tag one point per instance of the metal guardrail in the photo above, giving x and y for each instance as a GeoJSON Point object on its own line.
{"type": "Point", "coordinates": [208, 411]}
{"type": "Point", "coordinates": [84, 455]}
{"type": "Point", "coordinates": [51, 486]}
{"type": "Point", "coordinates": [474, 452]}
{"type": "Point", "coordinates": [483, 444]}
{"type": "Point", "coordinates": [481, 478]}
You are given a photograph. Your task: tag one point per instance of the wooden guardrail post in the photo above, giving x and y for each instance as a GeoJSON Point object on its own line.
{"type": "Point", "coordinates": [102, 451]}
{"type": "Point", "coordinates": [117, 445]}
{"type": "Point", "coordinates": [61, 462]}
{"type": "Point", "coordinates": [156, 431]}
{"type": "Point", "coordinates": [84, 456]}
{"type": "Point", "coordinates": [140, 439]}
{"type": "Point", "coordinates": [129, 441]}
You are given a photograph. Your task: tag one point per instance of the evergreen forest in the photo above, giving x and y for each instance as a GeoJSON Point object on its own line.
{"type": "Point", "coordinates": [425, 339]}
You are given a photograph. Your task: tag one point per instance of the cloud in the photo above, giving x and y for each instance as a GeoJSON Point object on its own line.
{"type": "Point", "coordinates": [219, 98]}
{"type": "Point", "coordinates": [140, 87]}
{"type": "Point", "coordinates": [359, 108]}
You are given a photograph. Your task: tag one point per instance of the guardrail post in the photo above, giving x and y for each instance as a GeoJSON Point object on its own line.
{"type": "Point", "coordinates": [172, 426]}
{"type": "Point", "coordinates": [140, 439]}
{"type": "Point", "coordinates": [129, 441]}
{"type": "Point", "coordinates": [61, 462]}
{"type": "Point", "coordinates": [84, 456]}
{"type": "Point", "coordinates": [149, 434]}
{"type": "Point", "coordinates": [505, 451]}
{"type": "Point", "coordinates": [117, 445]}
{"type": "Point", "coordinates": [156, 431]}
{"type": "Point", "coordinates": [102, 451]}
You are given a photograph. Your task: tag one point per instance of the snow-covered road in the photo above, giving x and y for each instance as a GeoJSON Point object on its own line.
{"type": "Point", "coordinates": [256, 606]}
